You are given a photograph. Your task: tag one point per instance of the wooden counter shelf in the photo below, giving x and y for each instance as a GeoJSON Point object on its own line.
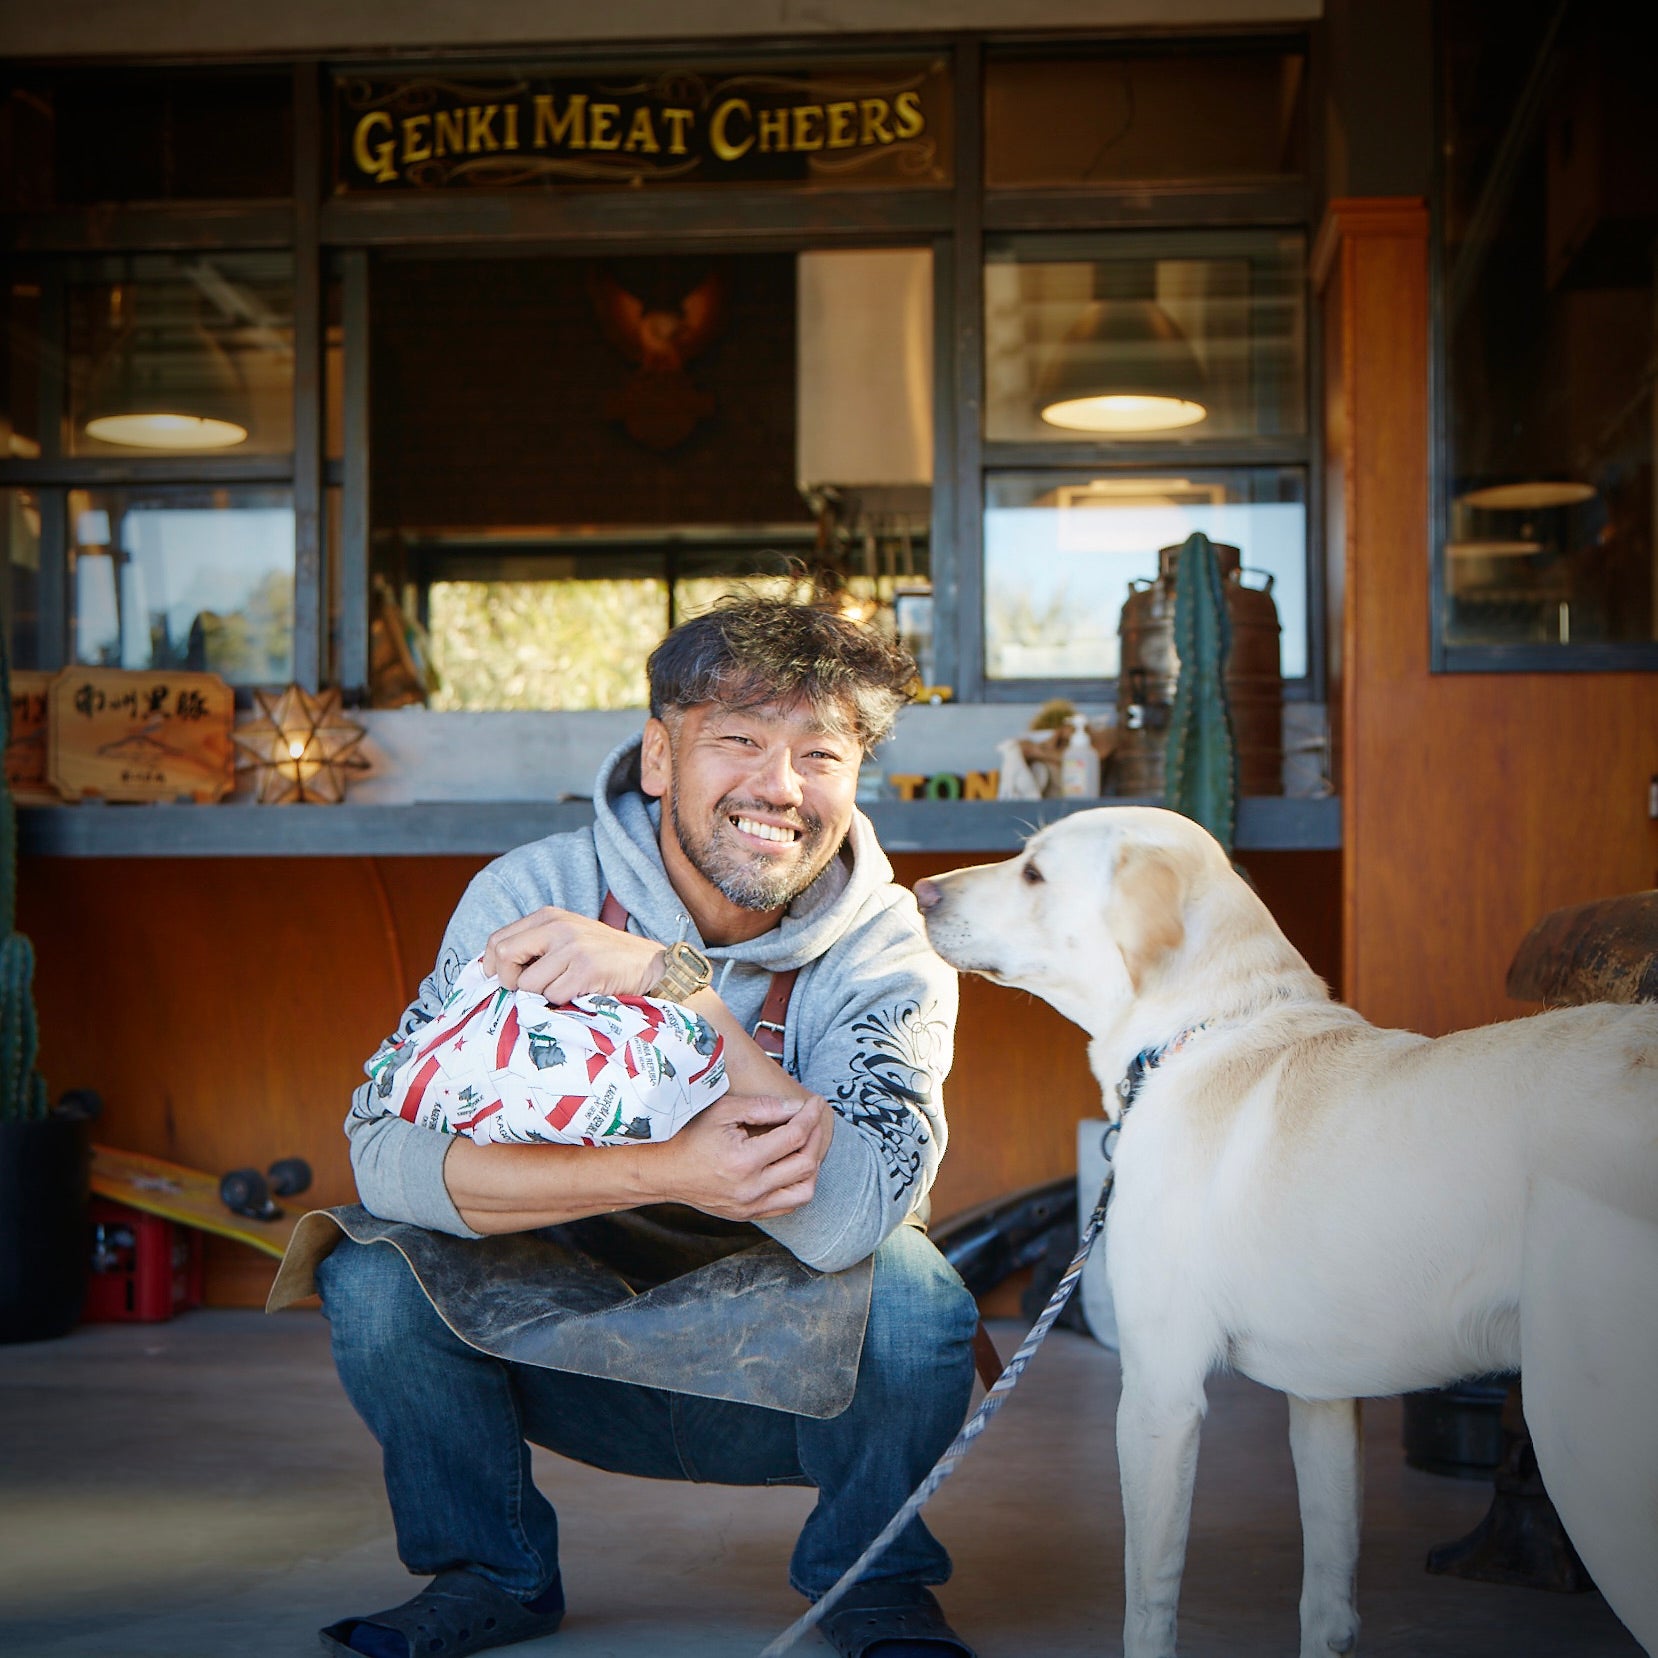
{"type": "Point", "coordinates": [442, 828]}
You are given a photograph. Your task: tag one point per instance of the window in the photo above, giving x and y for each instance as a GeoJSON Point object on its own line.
{"type": "Point", "coordinates": [1194, 338]}
{"type": "Point", "coordinates": [20, 530]}
{"type": "Point", "coordinates": [1185, 349]}
{"type": "Point", "coordinates": [181, 353]}
{"type": "Point", "coordinates": [1063, 551]}
{"type": "Point", "coordinates": [201, 579]}
{"type": "Point", "coordinates": [1549, 198]}
{"type": "Point", "coordinates": [555, 416]}
{"type": "Point", "coordinates": [151, 401]}
{"type": "Point", "coordinates": [553, 493]}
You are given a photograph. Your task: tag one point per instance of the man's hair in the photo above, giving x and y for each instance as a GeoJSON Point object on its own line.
{"type": "Point", "coordinates": [751, 652]}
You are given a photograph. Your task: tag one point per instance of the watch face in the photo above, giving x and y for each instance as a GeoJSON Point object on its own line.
{"type": "Point", "coordinates": [685, 972]}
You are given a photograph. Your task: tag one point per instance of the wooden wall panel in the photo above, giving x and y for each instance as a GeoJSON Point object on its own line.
{"type": "Point", "coordinates": [1472, 803]}
{"type": "Point", "coordinates": [224, 1007]}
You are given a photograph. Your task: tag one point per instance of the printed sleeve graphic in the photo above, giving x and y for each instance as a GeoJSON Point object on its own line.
{"type": "Point", "coordinates": [506, 1066]}
{"type": "Point", "coordinates": [898, 1057]}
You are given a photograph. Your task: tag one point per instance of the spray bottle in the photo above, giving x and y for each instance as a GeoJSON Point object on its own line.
{"type": "Point", "coordinates": [1079, 766]}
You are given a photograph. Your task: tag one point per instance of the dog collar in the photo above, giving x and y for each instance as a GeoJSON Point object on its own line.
{"type": "Point", "coordinates": [1147, 1061]}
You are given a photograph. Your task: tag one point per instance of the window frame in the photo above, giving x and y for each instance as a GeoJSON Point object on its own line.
{"type": "Point", "coordinates": [1604, 656]}
{"type": "Point", "coordinates": [1056, 217]}
{"type": "Point", "coordinates": [333, 238]}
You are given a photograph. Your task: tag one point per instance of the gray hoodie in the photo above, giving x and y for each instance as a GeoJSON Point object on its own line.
{"type": "Point", "coordinates": [871, 1025]}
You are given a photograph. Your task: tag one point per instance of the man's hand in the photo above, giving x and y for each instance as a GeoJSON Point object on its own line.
{"type": "Point", "coordinates": [747, 1157]}
{"type": "Point", "coordinates": [561, 955]}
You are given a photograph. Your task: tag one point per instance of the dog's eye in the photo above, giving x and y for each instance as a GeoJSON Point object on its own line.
{"type": "Point", "coordinates": [1032, 876]}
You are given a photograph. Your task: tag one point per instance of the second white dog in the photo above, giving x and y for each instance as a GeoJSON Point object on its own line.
{"type": "Point", "coordinates": [1335, 1210]}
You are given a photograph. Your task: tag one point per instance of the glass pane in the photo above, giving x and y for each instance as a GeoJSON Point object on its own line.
{"type": "Point", "coordinates": [1108, 119]}
{"type": "Point", "coordinates": [1179, 338]}
{"type": "Point", "coordinates": [544, 644]}
{"type": "Point", "coordinates": [184, 578]}
{"type": "Point", "coordinates": [572, 455]}
{"type": "Point", "coordinates": [1061, 549]}
{"type": "Point", "coordinates": [181, 354]}
{"type": "Point", "coordinates": [1549, 327]}
{"type": "Point", "coordinates": [890, 589]}
{"type": "Point", "coordinates": [102, 135]}
{"type": "Point", "coordinates": [20, 365]}
{"type": "Point", "coordinates": [20, 511]}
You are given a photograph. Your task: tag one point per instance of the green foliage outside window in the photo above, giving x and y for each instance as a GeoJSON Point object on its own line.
{"type": "Point", "coordinates": [560, 644]}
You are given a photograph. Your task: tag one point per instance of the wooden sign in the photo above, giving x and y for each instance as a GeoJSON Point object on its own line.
{"type": "Point", "coordinates": [146, 735]}
{"type": "Point", "coordinates": [880, 122]}
{"type": "Point", "coordinates": [26, 751]}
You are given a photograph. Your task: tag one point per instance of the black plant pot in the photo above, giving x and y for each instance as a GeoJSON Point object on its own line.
{"type": "Point", "coordinates": [44, 1166]}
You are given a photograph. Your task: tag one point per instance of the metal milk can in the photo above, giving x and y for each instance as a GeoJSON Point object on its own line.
{"type": "Point", "coordinates": [1150, 670]}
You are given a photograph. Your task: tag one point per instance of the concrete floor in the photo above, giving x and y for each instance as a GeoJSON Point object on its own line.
{"type": "Point", "coordinates": [201, 1489]}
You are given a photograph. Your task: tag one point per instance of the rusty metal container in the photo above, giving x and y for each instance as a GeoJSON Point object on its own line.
{"type": "Point", "coordinates": [1150, 670]}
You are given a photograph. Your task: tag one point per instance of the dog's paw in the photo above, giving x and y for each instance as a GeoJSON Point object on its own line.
{"type": "Point", "coordinates": [1333, 1636]}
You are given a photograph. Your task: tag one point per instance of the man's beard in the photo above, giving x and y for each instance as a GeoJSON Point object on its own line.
{"type": "Point", "coordinates": [754, 880]}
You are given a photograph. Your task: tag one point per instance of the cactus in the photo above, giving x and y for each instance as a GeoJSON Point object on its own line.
{"type": "Point", "coordinates": [1202, 756]}
{"type": "Point", "coordinates": [22, 1088]}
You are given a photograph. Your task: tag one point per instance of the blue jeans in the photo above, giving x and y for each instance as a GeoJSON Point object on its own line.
{"type": "Point", "coordinates": [455, 1425]}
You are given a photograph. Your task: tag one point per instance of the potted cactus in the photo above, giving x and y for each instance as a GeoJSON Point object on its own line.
{"type": "Point", "coordinates": [44, 1153]}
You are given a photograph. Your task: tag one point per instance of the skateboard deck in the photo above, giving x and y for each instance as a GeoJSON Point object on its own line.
{"type": "Point", "coordinates": [188, 1196]}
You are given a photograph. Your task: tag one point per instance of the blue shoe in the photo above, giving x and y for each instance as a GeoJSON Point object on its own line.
{"type": "Point", "coordinates": [456, 1613]}
{"type": "Point", "coordinates": [891, 1620]}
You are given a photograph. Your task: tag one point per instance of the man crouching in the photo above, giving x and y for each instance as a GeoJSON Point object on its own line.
{"type": "Point", "coordinates": [729, 871]}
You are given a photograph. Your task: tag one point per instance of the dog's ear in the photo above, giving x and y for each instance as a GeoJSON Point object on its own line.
{"type": "Point", "coordinates": [1146, 911]}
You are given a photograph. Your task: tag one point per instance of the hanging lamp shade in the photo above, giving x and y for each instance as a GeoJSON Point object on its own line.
{"type": "Point", "coordinates": [164, 385]}
{"type": "Point", "coordinates": [1124, 367]}
{"type": "Point", "coordinates": [1541, 494]}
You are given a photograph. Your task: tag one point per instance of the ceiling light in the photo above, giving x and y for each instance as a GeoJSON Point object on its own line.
{"type": "Point", "coordinates": [163, 383]}
{"type": "Point", "coordinates": [1528, 495]}
{"type": "Point", "coordinates": [165, 430]}
{"type": "Point", "coordinates": [1124, 368]}
{"type": "Point", "coordinates": [1492, 549]}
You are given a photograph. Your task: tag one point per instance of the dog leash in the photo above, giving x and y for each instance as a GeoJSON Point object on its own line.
{"type": "Point", "coordinates": [976, 1423]}
{"type": "Point", "coordinates": [1127, 1091]}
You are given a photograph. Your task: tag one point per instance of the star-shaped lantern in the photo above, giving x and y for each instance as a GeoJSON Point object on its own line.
{"type": "Point", "coordinates": [301, 748]}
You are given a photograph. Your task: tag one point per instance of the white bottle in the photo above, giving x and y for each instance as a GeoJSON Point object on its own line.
{"type": "Point", "coordinates": [1079, 766]}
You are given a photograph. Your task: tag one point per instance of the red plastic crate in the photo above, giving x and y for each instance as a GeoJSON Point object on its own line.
{"type": "Point", "coordinates": [144, 1268]}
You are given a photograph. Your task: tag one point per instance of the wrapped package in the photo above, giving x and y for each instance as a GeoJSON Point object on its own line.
{"type": "Point", "coordinates": [508, 1066]}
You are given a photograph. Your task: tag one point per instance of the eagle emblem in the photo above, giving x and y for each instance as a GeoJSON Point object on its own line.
{"type": "Point", "coordinates": [660, 405]}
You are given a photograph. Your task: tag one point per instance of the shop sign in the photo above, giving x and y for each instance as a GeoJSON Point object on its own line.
{"type": "Point", "coordinates": [875, 124]}
{"type": "Point", "coordinates": [145, 735]}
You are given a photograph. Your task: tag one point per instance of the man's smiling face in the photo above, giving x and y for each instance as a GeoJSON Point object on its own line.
{"type": "Point", "coordinates": [755, 802]}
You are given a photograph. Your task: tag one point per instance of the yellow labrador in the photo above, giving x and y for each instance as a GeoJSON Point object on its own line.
{"type": "Point", "coordinates": [1335, 1210]}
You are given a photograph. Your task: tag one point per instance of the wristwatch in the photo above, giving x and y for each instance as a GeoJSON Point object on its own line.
{"type": "Point", "coordinates": [685, 971]}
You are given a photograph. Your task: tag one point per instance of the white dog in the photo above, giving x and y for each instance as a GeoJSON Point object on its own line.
{"type": "Point", "coordinates": [1335, 1210]}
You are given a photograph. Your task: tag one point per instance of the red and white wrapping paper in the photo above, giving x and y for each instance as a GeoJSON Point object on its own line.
{"type": "Point", "coordinates": [507, 1066]}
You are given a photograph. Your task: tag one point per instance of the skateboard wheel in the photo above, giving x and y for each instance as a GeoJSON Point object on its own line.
{"type": "Point", "coordinates": [244, 1192]}
{"type": "Point", "coordinates": [289, 1176]}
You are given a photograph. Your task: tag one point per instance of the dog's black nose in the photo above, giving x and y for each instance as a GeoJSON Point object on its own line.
{"type": "Point", "coordinates": [927, 894]}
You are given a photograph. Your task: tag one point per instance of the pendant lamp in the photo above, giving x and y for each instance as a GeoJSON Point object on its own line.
{"type": "Point", "coordinates": [1124, 367]}
{"type": "Point", "coordinates": [163, 385]}
{"type": "Point", "coordinates": [1529, 495]}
